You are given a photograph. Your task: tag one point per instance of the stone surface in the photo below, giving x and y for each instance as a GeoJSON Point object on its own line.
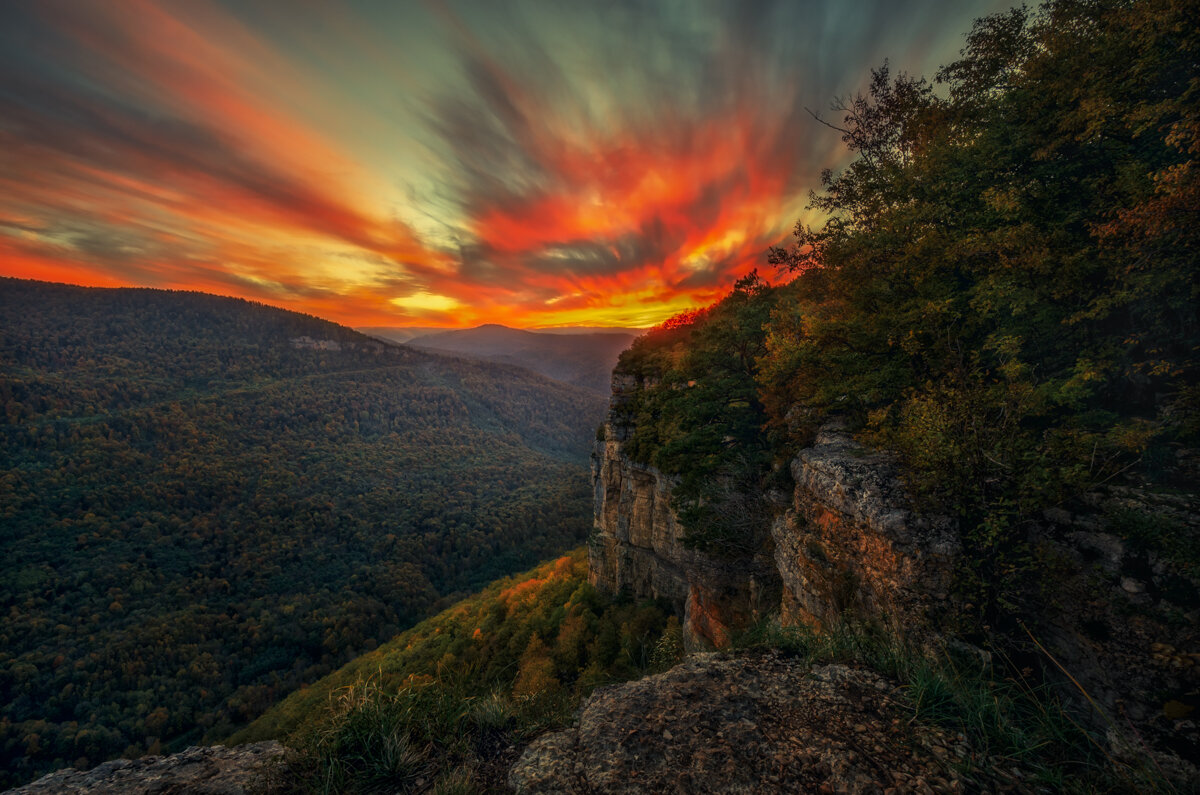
{"type": "Point", "coordinates": [1105, 614]}
{"type": "Point", "coordinates": [750, 724]}
{"type": "Point", "coordinates": [637, 544]}
{"type": "Point", "coordinates": [207, 770]}
{"type": "Point", "coordinates": [851, 544]}
{"type": "Point", "coordinates": [1124, 622]}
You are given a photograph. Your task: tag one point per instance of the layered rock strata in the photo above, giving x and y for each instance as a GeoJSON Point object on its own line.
{"type": "Point", "coordinates": [637, 545]}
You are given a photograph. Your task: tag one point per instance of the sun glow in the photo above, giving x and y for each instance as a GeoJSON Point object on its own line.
{"type": "Point", "coordinates": [426, 302]}
{"type": "Point", "coordinates": [410, 167]}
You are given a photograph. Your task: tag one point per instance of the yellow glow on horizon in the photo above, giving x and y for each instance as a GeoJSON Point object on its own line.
{"type": "Point", "coordinates": [426, 302]}
{"type": "Point", "coordinates": [631, 310]}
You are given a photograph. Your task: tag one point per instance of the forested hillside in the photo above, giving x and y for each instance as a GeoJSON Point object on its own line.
{"type": "Point", "coordinates": [1004, 293]}
{"type": "Point", "coordinates": [441, 706]}
{"type": "Point", "coordinates": [1001, 296]}
{"type": "Point", "coordinates": [206, 502]}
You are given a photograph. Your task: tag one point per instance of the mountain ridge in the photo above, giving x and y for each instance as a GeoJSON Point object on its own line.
{"type": "Point", "coordinates": [582, 359]}
{"type": "Point", "coordinates": [172, 457]}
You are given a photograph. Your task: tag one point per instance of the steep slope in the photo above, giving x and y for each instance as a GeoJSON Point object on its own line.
{"type": "Point", "coordinates": [443, 706]}
{"type": "Point", "coordinates": [207, 502]}
{"type": "Point", "coordinates": [464, 689]}
{"type": "Point", "coordinates": [585, 359]}
{"type": "Point", "coordinates": [972, 413]}
{"type": "Point", "coordinates": [1106, 611]}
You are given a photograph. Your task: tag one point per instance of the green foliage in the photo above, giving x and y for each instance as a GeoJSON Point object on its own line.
{"type": "Point", "coordinates": [1166, 537]}
{"type": "Point", "coordinates": [200, 516]}
{"type": "Point", "coordinates": [668, 652]}
{"type": "Point", "coordinates": [443, 700]}
{"type": "Point", "coordinates": [699, 416]}
{"type": "Point", "coordinates": [1005, 289]}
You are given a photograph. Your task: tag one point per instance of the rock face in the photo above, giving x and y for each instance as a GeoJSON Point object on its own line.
{"type": "Point", "coordinates": [851, 544]}
{"type": "Point", "coordinates": [748, 724]}
{"type": "Point", "coordinates": [849, 541]}
{"type": "Point", "coordinates": [1106, 616]}
{"type": "Point", "coordinates": [1125, 621]}
{"type": "Point", "coordinates": [637, 545]}
{"type": "Point", "coordinates": [212, 770]}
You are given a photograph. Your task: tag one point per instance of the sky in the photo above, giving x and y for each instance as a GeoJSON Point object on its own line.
{"type": "Point", "coordinates": [394, 163]}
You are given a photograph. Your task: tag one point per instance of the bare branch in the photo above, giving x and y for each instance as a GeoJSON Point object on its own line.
{"type": "Point", "coordinates": [817, 116]}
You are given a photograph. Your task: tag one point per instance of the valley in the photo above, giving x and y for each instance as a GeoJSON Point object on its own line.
{"type": "Point", "coordinates": [203, 508]}
{"type": "Point", "coordinates": [908, 501]}
{"type": "Point", "coordinates": [581, 357]}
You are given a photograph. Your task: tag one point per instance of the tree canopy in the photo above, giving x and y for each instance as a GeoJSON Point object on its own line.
{"type": "Point", "coordinates": [1003, 289]}
{"type": "Point", "coordinates": [207, 503]}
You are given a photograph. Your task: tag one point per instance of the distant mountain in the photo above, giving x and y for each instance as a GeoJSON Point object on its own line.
{"type": "Point", "coordinates": [206, 502]}
{"type": "Point", "coordinates": [584, 359]}
{"type": "Point", "coordinates": [398, 334]}
{"type": "Point", "coordinates": [404, 334]}
{"type": "Point", "coordinates": [572, 330]}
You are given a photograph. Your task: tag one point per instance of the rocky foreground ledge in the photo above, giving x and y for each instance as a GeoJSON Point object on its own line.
{"type": "Point", "coordinates": [752, 724]}
{"type": "Point", "coordinates": [214, 770]}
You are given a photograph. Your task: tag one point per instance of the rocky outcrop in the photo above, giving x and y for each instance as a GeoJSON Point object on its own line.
{"type": "Point", "coordinates": [849, 541]}
{"type": "Point", "coordinates": [209, 770]}
{"type": "Point", "coordinates": [750, 724]}
{"type": "Point", "coordinates": [637, 544]}
{"type": "Point", "coordinates": [851, 544]}
{"type": "Point", "coordinates": [308, 343]}
{"type": "Point", "coordinates": [1116, 624]}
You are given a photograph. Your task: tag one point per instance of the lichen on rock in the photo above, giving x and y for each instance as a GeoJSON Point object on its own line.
{"type": "Point", "coordinates": [751, 723]}
{"type": "Point", "coordinates": [199, 770]}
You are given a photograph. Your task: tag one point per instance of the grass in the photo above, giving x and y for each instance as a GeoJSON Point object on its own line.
{"type": "Point", "coordinates": [447, 705]}
{"type": "Point", "coordinates": [1009, 720]}
{"type": "Point", "coordinates": [445, 735]}
{"type": "Point", "coordinates": [428, 736]}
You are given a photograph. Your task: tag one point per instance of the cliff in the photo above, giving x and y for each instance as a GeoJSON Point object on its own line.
{"type": "Point", "coordinates": [851, 544]}
{"type": "Point", "coordinates": [637, 543]}
{"type": "Point", "coordinates": [848, 540]}
{"type": "Point", "coordinates": [1112, 625]}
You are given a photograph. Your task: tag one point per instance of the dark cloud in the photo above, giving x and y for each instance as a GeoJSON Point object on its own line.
{"type": "Point", "coordinates": [573, 154]}
{"type": "Point", "coordinates": [64, 126]}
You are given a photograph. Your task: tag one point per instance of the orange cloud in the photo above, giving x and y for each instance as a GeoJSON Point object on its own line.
{"type": "Point", "coordinates": [416, 166]}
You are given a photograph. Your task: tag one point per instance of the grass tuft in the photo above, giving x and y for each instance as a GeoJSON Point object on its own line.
{"type": "Point", "coordinates": [1009, 720]}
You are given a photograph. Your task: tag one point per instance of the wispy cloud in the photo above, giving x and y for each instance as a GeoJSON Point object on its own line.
{"type": "Point", "coordinates": [449, 163]}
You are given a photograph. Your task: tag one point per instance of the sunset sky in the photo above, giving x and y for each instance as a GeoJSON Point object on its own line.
{"type": "Point", "coordinates": [404, 163]}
